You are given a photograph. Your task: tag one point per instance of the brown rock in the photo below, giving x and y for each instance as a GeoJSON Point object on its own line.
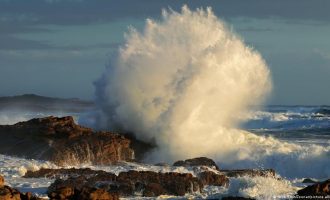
{"type": "Point", "coordinates": [8, 193]}
{"type": "Point", "coordinates": [171, 183]}
{"type": "Point", "coordinates": [2, 181]}
{"type": "Point", "coordinates": [62, 193]}
{"type": "Point", "coordinates": [63, 172]}
{"type": "Point", "coordinates": [211, 178]}
{"type": "Point", "coordinates": [249, 172]}
{"type": "Point", "coordinates": [62, 141]}
{"type": "Point", "coordinates": [29, 196]}
{"type": "Point", "coordinates": [59, 185]}
{"type": "Point", "coordinates": [88, 193]}
{"type": "Point", "coordinates": [153, 190]}
{"type": "Point", "coordinates": [236, 198]}
{"type": "Point", "coordinates": [201, 161]}
{"type": "Point", "coordinates": [321, 189]}
{"type": "Point", "coordinates": [129, 183]}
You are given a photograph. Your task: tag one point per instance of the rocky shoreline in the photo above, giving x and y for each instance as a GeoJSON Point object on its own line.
{"type": "Point", "coordinates": [63, 142]}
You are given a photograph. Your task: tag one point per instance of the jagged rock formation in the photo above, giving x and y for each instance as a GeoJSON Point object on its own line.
{"type": "Point", "coordinates": [8, 193]}
{"type": "Point", "coordinates": [62, 141]}
{"type": "Point", "coordinates": [249, 172]}
{"type": "Point", "coordinates": [236, 198]}
{"type": "Point", "coordinates": [131, 183]}
{"type": "Point", "coordinates": [316, 191]}
{"type": "Point", "coordinates": [204, 161]}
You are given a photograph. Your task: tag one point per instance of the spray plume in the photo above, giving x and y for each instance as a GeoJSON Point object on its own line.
{"type": "Point", "coordinates": [183, 82]}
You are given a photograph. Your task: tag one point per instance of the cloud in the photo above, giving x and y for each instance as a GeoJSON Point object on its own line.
{"type": "Point", "coordinates": [255, 29]}
{"type": "Point", "coordinates": [13, 43]}
{"type": "Point", "coordinates": [70, 12]}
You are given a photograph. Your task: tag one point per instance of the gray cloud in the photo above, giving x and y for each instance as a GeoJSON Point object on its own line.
{"type": "Point", "coordinates": [255, 29]}
{"type": "Point", "coordinates": [88, 11]}
{"type": "Point", "coordinates": [13, 43]}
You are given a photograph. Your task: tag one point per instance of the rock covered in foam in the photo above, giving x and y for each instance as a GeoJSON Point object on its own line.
{"type": "Point", "coordinates": [211, 178]}
{"type": "Point", "coordinates": [8, 193]}
{"type": "Point", "coordinates": [144, 183]}
{"type": "Point", "coordinates": [130, 183]}
{"type": "Point", "coordinates": [250, 172]}
{"type": "Point", "coordinates": [62, 141]}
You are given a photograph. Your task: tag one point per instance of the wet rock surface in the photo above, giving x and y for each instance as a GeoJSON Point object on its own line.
{"type": "Point", "coordinates": [130, 183]}
{"type": "Point", "coordinates": [2, 181]}
{"type": "Point", "coordinates": [211, 178]}
{"type": "Point", "coordinates": [62, 141]}
{"type": "Point", "coordinates": [236, 198]}
{"type": "Point", "coordinates": [249, 172]}
{"type": "Point", "coordinates": [65, 143]}
{"type": "Point", "coordinates": [9, 193]}
{"type": "Point", "coordinates": [200, 161]}
{"type": "Point", "coordinates": [318, 190]}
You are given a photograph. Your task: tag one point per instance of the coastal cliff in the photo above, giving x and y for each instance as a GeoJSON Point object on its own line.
{"type": "Point", "coordinates": [63, 142]}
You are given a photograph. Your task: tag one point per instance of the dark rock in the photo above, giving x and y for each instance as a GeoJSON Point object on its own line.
{"type": "Point", "coordinates": [29, 196]}
{"type": "Point", "coordinates": [145, 183]}
{"type": "Point", "coordinates": [249, 172]}
{"type": "Point", "coordinates": [236, 198]}
{"type": "Point", "coordinates": [153, 190]}
{"type": "Point", "coordinates": [201, 161]}
{"type": "Point", "coordinates": [88, 193]}
{"type": "Point", "coordinates": [62, 141]}
{"type": "Point", "coordinates": [76, 183]}
{"type": "Point", "coordinates": [62, 193]}
{"type": "Point", "coordinates": [171, 183]}
{"type": "Point", "coordinates": [63, 173]}
{"type": "Point", "coordinates": [323, 111]}
{"type": "Point", "coordinates": [308, 180]}
{"type": "Point", "coordinates": [8, 193]}
{"type": "Point", "coordinates": [321, 190]}
{"type": "Point", "coordinates": [211, 178]}
{"type": "Point", "coordinates": [162, 164]}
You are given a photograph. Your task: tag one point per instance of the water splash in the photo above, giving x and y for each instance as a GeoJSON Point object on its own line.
{"type": "Point", "coordinates": [182, 83]}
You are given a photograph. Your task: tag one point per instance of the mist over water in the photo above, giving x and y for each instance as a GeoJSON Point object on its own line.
{"type": "Point", "coordinates": [183, 83]}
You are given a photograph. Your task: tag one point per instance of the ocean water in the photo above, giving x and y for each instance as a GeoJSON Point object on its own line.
{"type": "Point", "coordinates": [301, 125]}
{"type": "Point", "coordinates": [297, 124]}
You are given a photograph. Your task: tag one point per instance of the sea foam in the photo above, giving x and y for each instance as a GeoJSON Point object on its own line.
{"type": "Point", "coordinates": [182, 83]}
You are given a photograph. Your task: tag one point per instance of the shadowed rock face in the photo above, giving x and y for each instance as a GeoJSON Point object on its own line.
{"type": "Point", "coordinates": [62, 141]}
{"type": "Point", "coordinates": [250, 172]}
{"type": "Point", "coordinates": [8, 193]}
{"type": "Point", "coordinates": [320, 190]}
{"type": "Point", "coordinates": [200, 161]}
{"type": "Point", "coordinates": [132, 183]}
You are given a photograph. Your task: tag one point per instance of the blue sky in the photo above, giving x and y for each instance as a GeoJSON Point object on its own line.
{"type": "Point", "coordinates": [59, 47]}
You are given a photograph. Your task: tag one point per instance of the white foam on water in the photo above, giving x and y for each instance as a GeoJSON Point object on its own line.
{"type": "Point", "coordinates": [182, 83]}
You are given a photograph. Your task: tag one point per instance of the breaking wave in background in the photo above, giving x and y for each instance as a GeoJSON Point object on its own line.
{"type": "Point", "coordinates": [186, 83]}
